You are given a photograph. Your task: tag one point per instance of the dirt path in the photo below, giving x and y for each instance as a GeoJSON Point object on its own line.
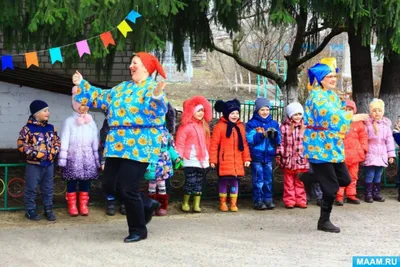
{"type": "Point", "coordinates": [248, 238]}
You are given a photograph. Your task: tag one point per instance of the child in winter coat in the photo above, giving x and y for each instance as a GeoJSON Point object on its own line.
{"type": "Point", "coordinates": [40, 144]}
{"type": "Point", "coordinates": [396, 135]}
{"type": "Point", "coordinates": [192, 143]}
{"type": "Point", "coordinates": [229, 151]}
{"type": "Point", "coordinates": [263, 135]}
{"type": "Point", "coordinates": [79, 156]}
{"type": "Point", "coordinates": [157, 173]}
{"type": "Point", "coordinates": [290, 157]}
{"type": "Point", "coordinates": [355, 147]}
{"type": "Point", "coordinates": [381, 150]}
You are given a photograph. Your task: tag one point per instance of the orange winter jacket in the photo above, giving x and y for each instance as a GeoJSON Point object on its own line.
{"type": "Point", "coordinates": [356, 143]}
{"type": "Point", "coordinates": [225, 151]}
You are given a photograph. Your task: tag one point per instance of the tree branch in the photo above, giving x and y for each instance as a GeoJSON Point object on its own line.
{"type": "Point", "coordinates": [258, 70]}
{"type": "Point", "coordinates": [314, 31]}
{"type": "Point", "coordinates": [256, 14]}
{"type": "Point", "coordinates": [333, 33]}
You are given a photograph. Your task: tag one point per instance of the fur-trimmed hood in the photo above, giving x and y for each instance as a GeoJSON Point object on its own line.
{"type": "Point", "coordinates": [189, 106]}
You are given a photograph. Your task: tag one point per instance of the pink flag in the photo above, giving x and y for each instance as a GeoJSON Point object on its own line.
{"type": "Point", "coordinates": [83, 48]}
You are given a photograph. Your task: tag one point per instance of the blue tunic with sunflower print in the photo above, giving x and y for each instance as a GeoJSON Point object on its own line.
{"type": "Point", "coordinates": [136, 118]}
{"type": "Point", "coordinates": [327, 124]}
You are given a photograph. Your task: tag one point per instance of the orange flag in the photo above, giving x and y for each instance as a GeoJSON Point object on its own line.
{"type": "Point", "coordinates": [107, 39]}
{"type": "Point", "coordinates": [31, 59]}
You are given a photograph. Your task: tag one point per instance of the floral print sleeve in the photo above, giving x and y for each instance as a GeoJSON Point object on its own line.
{"type": "Point", "coordinates": [93, 97]}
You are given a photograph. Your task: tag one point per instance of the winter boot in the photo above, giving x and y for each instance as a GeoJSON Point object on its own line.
{"type": "Point", "coordinates": [163, 199]}
{"type": "Point", "coordinates": [353, 200]}
{"type": "Point", "coordinates": [340, 197]}
{"type": "Point", "coordinates": [122, 208]}
{"type": "Point", "coordinates": [71, 201]}
{"type": "Point", "coordinates": [324, 223]}
{"type": "Point", "coordinates": [110, 210]}
{"type": "Point", "coordinates": [368, 193]}
{"type": "Point", "coordinates": [185, 204]}
{"type": "Point", "coordinates": [398, 195]}
{"type": "Point", "coordinates": [49, 214]}
{"type": "Point", "coordinates": [153, 196]}
{"type": "Point", "coordinates": [233, 198]}
{"type": "Point", "coordinates": [32, 215]}
{"type": "Point", "coordinates": [376, 193]}
{"type": "Point", "coordinates": [83, 203]}
{"type": "Point", "coordinates": [196, 203]}
{"type": "Point", "coordinates": [222, 202]}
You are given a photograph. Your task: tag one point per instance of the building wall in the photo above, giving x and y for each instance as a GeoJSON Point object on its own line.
{"type": "Point", "coordinates": [14, 110]}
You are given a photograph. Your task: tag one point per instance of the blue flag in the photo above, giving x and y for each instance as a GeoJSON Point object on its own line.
{"type": "Point", "coordinates": [55, 55]}
{"type": "Point", "coordinates": [133, 15]}
{"type": "Point", "coordinates": [6, 62]}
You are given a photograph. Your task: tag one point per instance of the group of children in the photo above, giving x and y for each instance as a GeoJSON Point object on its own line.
{"type": "Point", "coordinates": [229, 148]}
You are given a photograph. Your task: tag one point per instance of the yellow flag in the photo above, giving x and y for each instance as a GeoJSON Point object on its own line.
{"type": "Point", "coordinates": [124, 28]}
{"type": "Point", "coordinates": [31, 59]}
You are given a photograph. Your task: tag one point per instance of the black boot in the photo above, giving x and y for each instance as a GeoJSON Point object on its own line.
{"type": "Point", "coordinates": [324, 223]}
{"type": "Point", "coordinates": [32, 215]}
{"type": "Point", "coordinates": [110, 211]}
{"type": "Point", "coordinates": [376, 193]}
{"type": "Point", "coordinates": [49, 214]}
{"type": "Point", "coordinates": [122, 209]}
{"type": "Point", "coordinates": [148, 212]}
{"type": "Point", "coordinates": [368, 193]}
{"type": "Point", "coordinates": [398, 195]}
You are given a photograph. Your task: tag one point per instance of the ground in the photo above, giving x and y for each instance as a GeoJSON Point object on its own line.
{"type": "Point", "coordinates": [248, 238]}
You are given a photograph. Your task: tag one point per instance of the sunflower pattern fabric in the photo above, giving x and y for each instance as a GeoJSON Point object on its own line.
{"type": "Point", "coordinates": [327, 123]}
{"type": "Point", "coordinates": [136, 118]}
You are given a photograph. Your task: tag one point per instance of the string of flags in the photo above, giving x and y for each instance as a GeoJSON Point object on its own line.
{"type": "Point", "coordinates": [31, 58]}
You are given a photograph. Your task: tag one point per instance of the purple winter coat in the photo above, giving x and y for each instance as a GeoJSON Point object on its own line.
{"type": "Point", "coordinates": [380, 147]}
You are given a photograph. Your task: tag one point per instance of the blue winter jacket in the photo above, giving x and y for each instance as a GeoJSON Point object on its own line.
{"type": "Point", "coordinates": [396, 137]}
{"type": "Point", "coordinates": [262, 149]}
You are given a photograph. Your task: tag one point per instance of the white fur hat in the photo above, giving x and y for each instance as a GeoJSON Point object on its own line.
{"type": "Point", "coordinates": [294, 108]}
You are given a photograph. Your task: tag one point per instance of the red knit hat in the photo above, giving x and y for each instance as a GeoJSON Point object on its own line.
{"type": "Point", "coordinates": [351, 104]}
{"type": "Point", "coordinates": [151, 63]}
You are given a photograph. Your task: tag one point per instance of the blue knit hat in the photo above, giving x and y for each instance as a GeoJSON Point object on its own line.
{"type": "Point", "coordinates": [37, 106]}
{"type": "Point", "coordinates": [262, 102]}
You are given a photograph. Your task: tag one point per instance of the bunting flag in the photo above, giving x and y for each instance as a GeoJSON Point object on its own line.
{"type": "Point", "coordinates": [132, 16]}
{"type": "Point", "coordinates": [83, 48]}
{"type": "Point", "coordinates": [107, 39]}
{"type": "Point", "coordinates": [31, 59]}
{"type": "Point", "coordinates": [124, 28]}
{"type": "Point", "coordinates": [6, 62]}
{"type": "Point", "coordinates": [55, 55]}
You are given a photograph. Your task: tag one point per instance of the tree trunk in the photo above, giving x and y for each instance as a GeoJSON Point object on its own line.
{"type": "Point", "coordinates": [291, 85]}
{"type": "Point", "coordinates": [361, 71]}
{"type": "Point", "coordinates": [390, 86]}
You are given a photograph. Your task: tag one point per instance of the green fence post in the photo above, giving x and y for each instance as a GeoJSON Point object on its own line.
{"type": "Point", "coordinates": [6, 187]}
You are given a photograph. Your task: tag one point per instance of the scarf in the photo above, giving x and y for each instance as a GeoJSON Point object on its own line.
{"type": "Point", "coordinates": [229, 129]}
{"type": "Point", "coordinates": [202, 145]}
{"type": "Point", "coordinates": [82, 118]}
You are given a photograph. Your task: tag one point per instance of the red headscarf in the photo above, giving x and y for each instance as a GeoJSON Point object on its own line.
{"type": "Point", "coordinates": [151, 63]}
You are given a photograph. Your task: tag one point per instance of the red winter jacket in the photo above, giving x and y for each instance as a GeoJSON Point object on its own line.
{"type": "Point", "coordinates": [290, 151]}
{"type": "Point", "coordinates": [355, 143]}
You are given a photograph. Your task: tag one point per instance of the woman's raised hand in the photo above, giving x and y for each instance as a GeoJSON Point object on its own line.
{"type": "Point", "coordinates": [159, 89]}
{"type": "Point", "coordinates": [77, 78]}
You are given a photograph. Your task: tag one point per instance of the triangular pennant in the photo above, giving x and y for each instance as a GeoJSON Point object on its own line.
{"type": "Point", "coordinates": [107, 39]}
{"type": "Point", "coordinates": [83, 48]}
{"type": "Point", "coordinates": [55, 55]}
{"type": "Point", "coordinates": [133, 15]}
{"type": "Point", "coordinates": [6, 62]}
{"type": "Point", "coordinates": [31, 59]}
{"type": "Point", "coordinates": [124, 28]}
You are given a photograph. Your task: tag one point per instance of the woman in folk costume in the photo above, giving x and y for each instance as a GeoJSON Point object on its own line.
{"type": "Point", "coordinates": [79, 156]}
{"type": "Point", "coordinates": [327, 124]}
{"type": "Point", "coordinates": [136, 114]}
{"type": "Point", "coordinates": [290, 157]}
{"type": "Point", "coordinates": [381, 150]}
{"type": "Point", "coordinates": [229, 151]}
{"type": "Point", "coordinates": [192, 144]}
{"type": "Point", "coordinates": [355, 147]}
